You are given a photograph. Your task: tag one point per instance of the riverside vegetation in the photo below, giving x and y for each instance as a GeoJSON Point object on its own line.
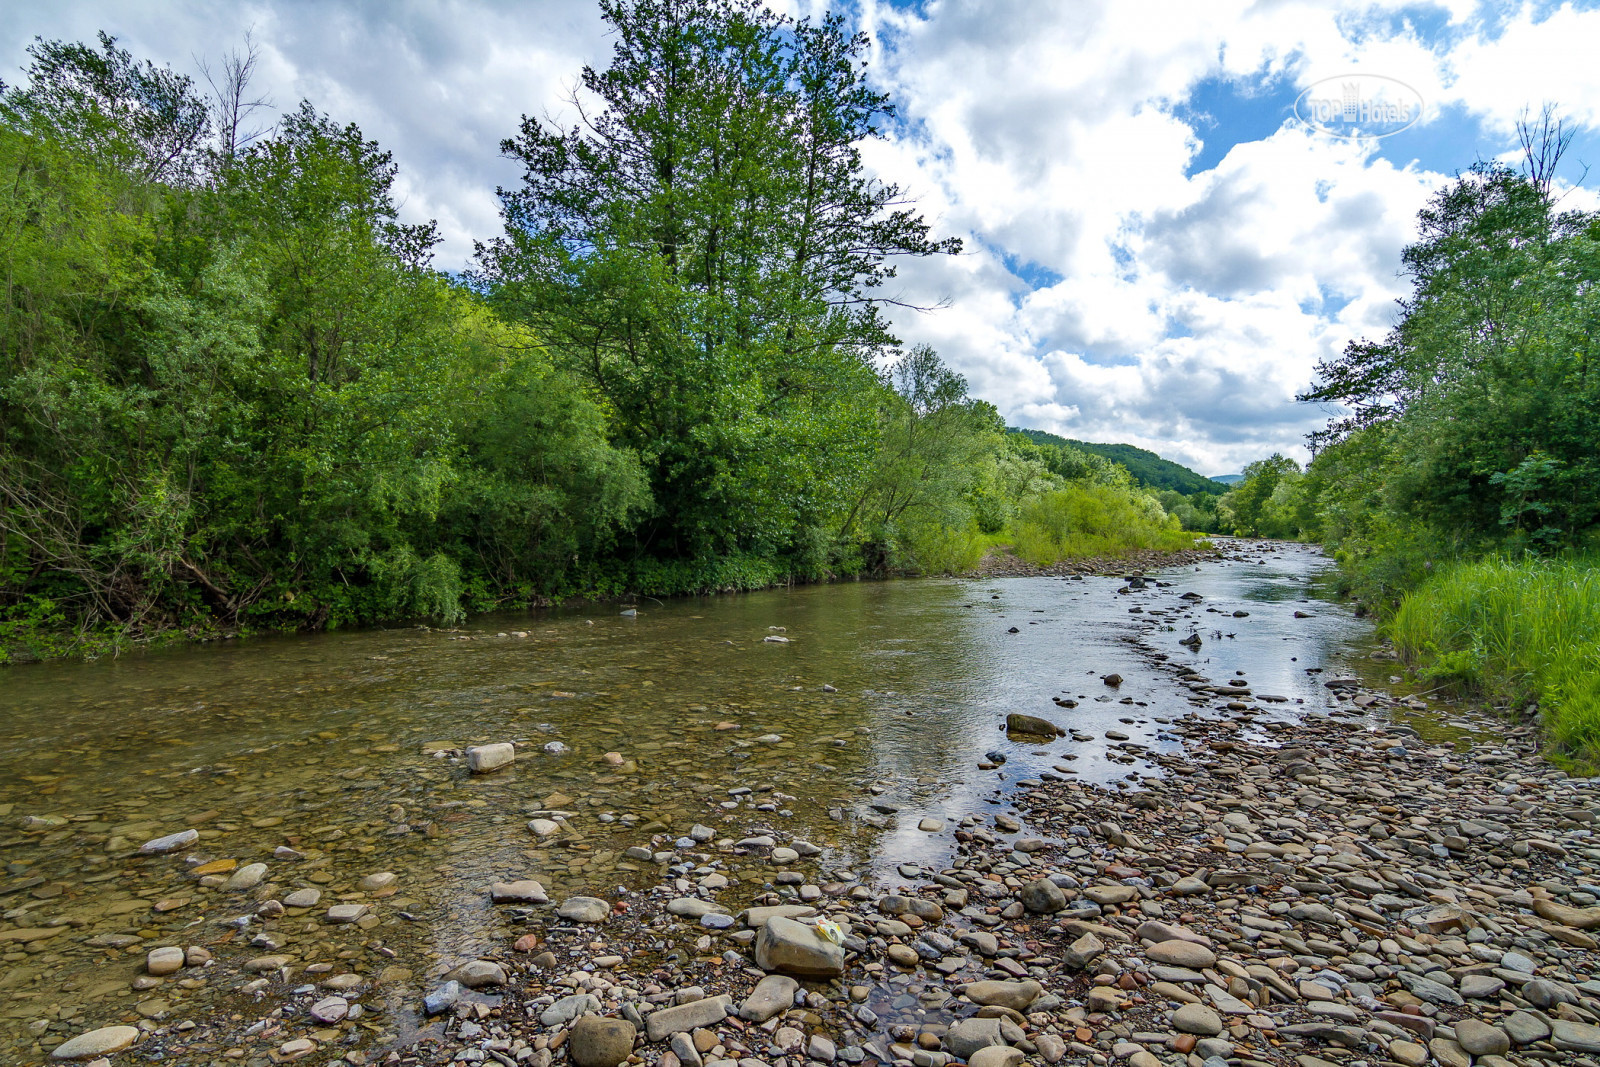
{"type": "Point", "coordinates": [235, 394]}
{"type": "Point", "coordinates": [1459, 485]}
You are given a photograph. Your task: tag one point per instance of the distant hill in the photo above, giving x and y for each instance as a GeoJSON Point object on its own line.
{"type": "Point", "coordinates": [1146, 467]}
{"type": "Point", "coordinates": [1229, 479]}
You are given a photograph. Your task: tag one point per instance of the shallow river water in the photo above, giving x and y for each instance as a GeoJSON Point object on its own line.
{"type": "Point", "coordinates": [343, 747]}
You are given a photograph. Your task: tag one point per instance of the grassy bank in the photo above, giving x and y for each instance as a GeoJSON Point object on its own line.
{"type": "Point", "coordinates": [1515, 630]}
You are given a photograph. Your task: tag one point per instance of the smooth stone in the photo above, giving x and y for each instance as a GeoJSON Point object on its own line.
{"type": "Point", "coordinates": [1197, 1019]}
{"type": "Point", "coordinates": [376, 883]}
{"type": "Point", "coordinates": [246, 877]}
{"type": "Point", "coordinates": [596, 1041]}
{"type": "Point", "coordinates": [1111, 894]}
{"type": "Point", "coordinates": [584, 910]}
{"type": "Point", "coordinates": [756, 918]}
{"type": "Point", "coordinates": [346, 913]}
{"type": "Point", "coordinates": [1481, 986]}
{"type": "Point", "coordinates": [544, 827]}
{"type": "Point", "coordinates": [969, 1035]}
{"type": "Point", "coordinates": [569, 1008]}
{"type": "Point", "coordinates": [101, 1042]}
{"type": "Point", "coordinates": [773, 994]}
{"type": "Point", "coordinates": [525, 891]}
{"type": "Point", "coordinates": [793, 948]}
{"type": "Point", "coordinates": [1571, 1036]}
{"type": "Point", "coordinates": [996, 1056]}
{"type": "Point", "coordinates": [782, 854]}
{"type": "Point", "coordinates": [1481, 1039]}
{"type": "Point", "coordinates": [442, 999]}
{"type": "Point", "coordinates": [160, 961]}
{"type": "Point", "coordinates": [693, 907]}
{"type": "Point", "coordinates": [166, 844]}
{"type": "Point", "coordinates": [1525, 1027]}
{"type": "Point", "coordinates": [330, 1010]}
{"type": "Point", "coordinates": [708, 1011]}
{"type": "Point", "coordinates": [1182, 954]}
{"type": "Point", "coordinates": [485, 759]}
{"type": "Point", "coordinates": [1014, 995]}
{"type": "Point", "coordinates": [303, 898]}
{"type": "Point", "coordinates": [1042, 897]}
{"type": "Point", "coordinates": [1081, 952]}
{"type": "Point", "coordinates": [475, 974]}
{"type": "Point", "coordinates": [1018, 723]}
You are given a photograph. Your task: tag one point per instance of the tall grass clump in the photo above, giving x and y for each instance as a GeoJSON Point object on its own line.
{"type": "Point", "coordinates": [1093, 520]}
{"type": "Point", "coordinates": [1525, 629]}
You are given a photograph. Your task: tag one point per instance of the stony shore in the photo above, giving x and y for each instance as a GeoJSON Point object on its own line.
{"type": "Point", "coordinates": [1001, 562]}
{"type": "Point", "coordinates": [1276, 885]}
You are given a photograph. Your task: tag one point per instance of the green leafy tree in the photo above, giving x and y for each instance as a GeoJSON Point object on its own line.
{"type": "Point", "coordinates": [707, 252]}
{"type": "Point", "coordinates": [1487, 383]}
{"type": "Point", "coordinates": [933, 441]}
{"type": "Point", "coordinates": [144, 120]}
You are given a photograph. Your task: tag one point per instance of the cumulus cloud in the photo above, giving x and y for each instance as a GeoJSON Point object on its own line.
{"type": "Point", "coordinates": [1112, 289]}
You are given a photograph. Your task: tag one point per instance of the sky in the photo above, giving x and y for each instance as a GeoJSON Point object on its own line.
{"type": "Point", "coordinates": [1158, 246]}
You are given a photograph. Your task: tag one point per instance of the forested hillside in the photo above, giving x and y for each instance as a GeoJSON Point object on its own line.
{"type": "Point", "coordinates": [1147, 468]}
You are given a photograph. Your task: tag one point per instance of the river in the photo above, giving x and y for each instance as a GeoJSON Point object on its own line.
{"type": "Point", "coordinates": [837, 716]}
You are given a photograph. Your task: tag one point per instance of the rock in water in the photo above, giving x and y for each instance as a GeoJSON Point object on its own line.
{"type": "Point", "coordinates": [792, 947]}
{"type": "Point", "coordinates": [95, 1043]}
{"type": "Point", "coordinates": [584, 910]}
{"type": "Point", "coordinates": [596, 1041]}
{"type": "Point", "coordinates": [167, 844]}
{"type": "Point", "coordinates": [485, 759]}
{"type": "Point", "coordinates": [442, 999]}
{"type": "Point", "coordinates": [1031, 724]}
{"type": "Point", "coordinates": [476, 974]}
{"type": "Point", "coordinates": [525, 891]}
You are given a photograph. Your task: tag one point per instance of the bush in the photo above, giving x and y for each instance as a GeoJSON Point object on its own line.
{"type": "Point", "coordinates": [1516, 630]}
{"type": "Point", "coordinates": [1093, 520]}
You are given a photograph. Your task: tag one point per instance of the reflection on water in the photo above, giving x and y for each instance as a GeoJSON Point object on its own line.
{"type": "Point", "coordinates": [330, 745]}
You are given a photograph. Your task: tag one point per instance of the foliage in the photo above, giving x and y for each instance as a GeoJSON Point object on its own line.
{"type": "Point", "coordinates": [1147, 468]}
{"type": "Point", "coordinates": [246, 400]}
{"type": "Point", "coordinates": [708, 253]}
{"type": "Point", "coordinates": [1517, 630]}
{"type": "Point", "coordinates": [235, 394]}
{"type": "Point", "coordinates": [1482, 407]}
{"type": "Point", "coordinates": [1084, 519]}
{"type": "Point", "coordinates": [1268, 501]}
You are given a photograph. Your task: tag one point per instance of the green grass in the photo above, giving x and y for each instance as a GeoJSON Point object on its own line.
{"type": "Point", "coordinates": [1515, 630]}
{"type": "Point", "coordinates": [1084, 521]}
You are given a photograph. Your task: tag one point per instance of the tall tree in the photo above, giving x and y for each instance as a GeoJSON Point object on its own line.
{"type": "Point", "coordinates": [707, 250]}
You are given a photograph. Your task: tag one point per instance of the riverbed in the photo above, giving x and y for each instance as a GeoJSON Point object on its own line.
{"type": "Point", "coordinates": [845, 720]}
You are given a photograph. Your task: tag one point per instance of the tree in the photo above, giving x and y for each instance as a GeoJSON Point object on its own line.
{"type": "Point", "coordinates": [1262, 503]}
{"type": "Point", "coordinates": [708, 253]}
{"type": "Point", "coordinates": [931, 447]}
{"type": "Point", "coordinates": [145, 120]}
{"type": "Point", "coordinates": [1486, 385]}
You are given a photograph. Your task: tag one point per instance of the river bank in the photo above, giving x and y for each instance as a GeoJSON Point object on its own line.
{"type": "Point", "coordinates": [1278, 848]}
{"type": "Point", "coordinates": [1001, 561]}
